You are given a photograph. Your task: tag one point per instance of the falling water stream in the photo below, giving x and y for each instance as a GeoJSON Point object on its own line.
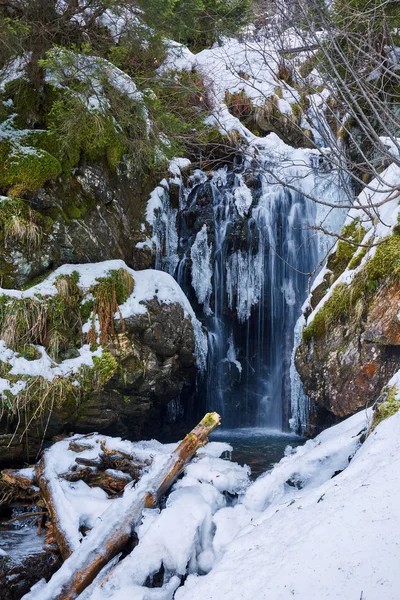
{"type": "Point", "coordinates": [241, 247]}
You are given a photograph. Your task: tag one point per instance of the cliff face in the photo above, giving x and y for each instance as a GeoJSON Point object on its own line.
{"type": "Point", "coordinates": [344, 369]}
{"type": "Point", "coordinates": [351, 343]}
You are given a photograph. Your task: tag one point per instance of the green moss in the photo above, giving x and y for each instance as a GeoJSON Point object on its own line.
{"type": "Point", "coordinates": [25, 169]}
{"type": "Point", "coordinates": [26, 101]}
{"type": "Point", "coordinates": [105, 366]}
{"type": "Point", "coordinates": [344, 299]}
{"type": "Point", "coordinates": [209, 420]}
{"type": "Point", "coordinates": [386, 409]}
{"type": "Point", "coordinates": [340, 260]}
{"type": "Point", "coordinates": [384, 266]}
{"type": "Point", "coordinates": [357, 259]}
{"type": "Point", "coordinates": [386, 260]}
{"type": "Point", "coordinates": [331, 311]}
{"type": "Point", "coordinates": [29, 352]}
{"type": "Point", "coordinates": [84, 133]}
{"type": "Point", "coordinates": [297, 111]}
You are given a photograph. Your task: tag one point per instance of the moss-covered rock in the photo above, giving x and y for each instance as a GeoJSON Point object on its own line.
{"type": "Point", "coordinates": [25, 169]}
{"type": "Point", "coordinates": [351, 346]}
{"type": "Point", "coordinates": [387, 406]}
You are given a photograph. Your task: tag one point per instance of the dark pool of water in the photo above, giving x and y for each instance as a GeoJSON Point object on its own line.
{"type": "Point", "coordinates": [258, 448]}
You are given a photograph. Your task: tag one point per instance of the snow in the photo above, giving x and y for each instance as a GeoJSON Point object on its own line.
{"type": "Point", "coordinates": [45, 366]}
{"type": "Point", "coordinates": [231, 354]}
{"type": "Point", "coordinates": [322, 523]}
{"type": "Point", "coordinates": [380, 200]}
{"type": "Point", "coordinates": [149, 284]}
{"type": "Point", "coordinates": [178, 535]}
{"type": "Point", "coordinates": [13, 70]}
{"type": "Point", "coordinates": [92, 71]}
{"type": "Point", "coordinates": [77, 503]}
{"type": "Point", "coordinates": [334, 538]}
{"type": "Point", "coordinates": [229, 477]}
{"type": "Point", "coordinates": [243, 198]}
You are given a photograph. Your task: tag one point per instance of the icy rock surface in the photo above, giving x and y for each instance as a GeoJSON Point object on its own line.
{"type": "Point", "coordinates": [201, 268]}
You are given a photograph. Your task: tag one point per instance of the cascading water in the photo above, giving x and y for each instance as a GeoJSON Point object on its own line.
{"type": "Point", "coordinates": [242, 250]}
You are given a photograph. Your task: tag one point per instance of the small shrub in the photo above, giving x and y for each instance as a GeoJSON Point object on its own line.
{"type": "Point", "coordinates": [109, 292]}
{"type": "Point", "coordinates": [239, 104]}
{"type": "Point", "coordinates": [386, 409]}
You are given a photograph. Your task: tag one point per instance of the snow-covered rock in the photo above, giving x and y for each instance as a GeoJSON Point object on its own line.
{"type": "Point", "coordinates": [56, 346]}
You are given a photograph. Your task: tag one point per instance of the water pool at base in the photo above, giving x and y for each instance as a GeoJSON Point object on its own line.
{"type": "Point", "coordinates": [257, 447]}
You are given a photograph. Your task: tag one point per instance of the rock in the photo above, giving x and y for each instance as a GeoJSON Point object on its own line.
{"type": "Point", "coordinates": [94, 213]}
{"type": "Point", "coordinates": [146, 361]}
{"type": "Point", "coordinates": [25, 564]}
{"type": "Point", "coordinates": [344, 369]}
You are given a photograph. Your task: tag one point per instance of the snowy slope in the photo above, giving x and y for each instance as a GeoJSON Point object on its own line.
{"type": "Point", "coordinates": [322, 524]}
{"type": "Point", "coordinates": [339, 540]}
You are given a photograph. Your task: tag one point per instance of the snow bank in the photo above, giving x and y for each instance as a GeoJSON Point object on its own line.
{"type": "Point", "coordinates": [333, 538]}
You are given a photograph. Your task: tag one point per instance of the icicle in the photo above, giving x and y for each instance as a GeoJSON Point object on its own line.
{"type": "Point", "coordinates": [202, 273]}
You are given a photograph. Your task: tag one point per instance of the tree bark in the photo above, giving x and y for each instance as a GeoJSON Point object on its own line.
{"type": "Point", "coordinates": [56, 519]}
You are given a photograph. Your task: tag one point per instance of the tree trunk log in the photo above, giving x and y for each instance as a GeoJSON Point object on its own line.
{"type": "Point", "coordinates": [47, 492]}
{"type": "Point", "coordinates": [115, 526]}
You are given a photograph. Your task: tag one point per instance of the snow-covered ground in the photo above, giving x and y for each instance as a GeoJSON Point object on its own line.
{"type": "Point", "coordinates": [338, 539]}
{"type": "Point", "coordinates": [323, 523]}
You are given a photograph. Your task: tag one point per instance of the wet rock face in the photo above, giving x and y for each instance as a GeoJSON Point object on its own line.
{"type": "Point", "coordinates": [94, 214]}
{"type": "Point", "coordinates": [156, 360]}
{"type": "Point", "coordinates": [345, 369]}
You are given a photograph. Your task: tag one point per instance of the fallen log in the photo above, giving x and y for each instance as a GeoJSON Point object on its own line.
{"type": "Point", "coordinates": [118, 461]}
{"type": "Point", "coordinates": [49, 489]}
{"type": "Point", "coordinates": [17, 485]}
{"type": "Point", "coordinates": [115, 526]}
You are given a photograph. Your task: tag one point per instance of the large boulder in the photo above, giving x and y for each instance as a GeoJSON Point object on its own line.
{"type": "Point", "coordinates": [93, 212]}
{"type": "Point", "coordinates": [95, 347]}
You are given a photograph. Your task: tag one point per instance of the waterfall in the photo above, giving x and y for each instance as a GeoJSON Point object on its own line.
{"type": "Point", "coordinates": [241, 247]}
